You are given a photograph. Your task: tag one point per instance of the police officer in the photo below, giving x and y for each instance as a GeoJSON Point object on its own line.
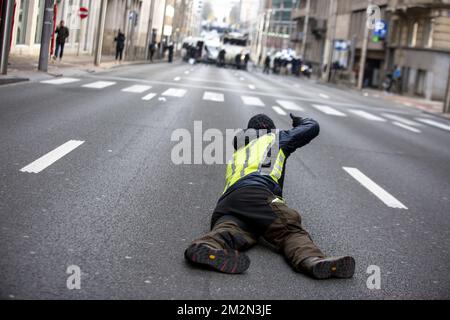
{"type": "Point", "coordinates": [252, 206]}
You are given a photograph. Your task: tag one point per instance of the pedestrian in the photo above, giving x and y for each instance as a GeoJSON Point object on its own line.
{"type": "Point", "coordinates": [62, 33]}
{"type": "Point", "coordinates": [152, 50]}
{"type": "Point", "coordinates": [246, 60]}
{"type": "Point", "coordinates": [120, 45]}
{"type": "Point", "coordinates": [252, 206]}
{"type": "Point", "coordinates": [267, 65]}
{"type": "Point", "coordinates": [221, 57]}
{"type": "Point", "coordinates": [170, 48]}
{"type": "Point", "coordinates": [237, 61]}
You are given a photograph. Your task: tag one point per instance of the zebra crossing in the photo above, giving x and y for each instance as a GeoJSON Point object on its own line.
{"type": "Point", "coordinates": [282, 107]}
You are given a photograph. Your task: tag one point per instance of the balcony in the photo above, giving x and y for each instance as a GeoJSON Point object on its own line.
{"type": "Point", "coordinates": [410, 4]}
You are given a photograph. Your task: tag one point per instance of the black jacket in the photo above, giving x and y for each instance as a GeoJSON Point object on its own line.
{"type": "Point", "coordinates": [62, 34]}
{"type": "Point", "coordinates": [120, 41]}
{"type": "Point", "coordinates": [289, 142]}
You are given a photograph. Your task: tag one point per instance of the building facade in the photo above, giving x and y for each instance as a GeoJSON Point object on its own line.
{"type": "Point", "coordinates": [309, 35]}
{"type": "Point", "coordinates": [142, 21]}
{"type": "Point", "coordinates": [419, 43]}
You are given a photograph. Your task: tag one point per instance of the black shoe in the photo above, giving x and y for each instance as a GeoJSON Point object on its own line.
{"type": "Point", "coordinates": [325, 268]}
{"type": "Point", "coordinates": [222, 260]}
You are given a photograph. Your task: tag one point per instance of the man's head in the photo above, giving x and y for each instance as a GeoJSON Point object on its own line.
{"type": "Point", "coordinates": [61, 23]}
{"type": "Point", "coordinates": [261, 122]}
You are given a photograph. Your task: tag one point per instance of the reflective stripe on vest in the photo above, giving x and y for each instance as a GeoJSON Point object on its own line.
{"type": "Point", "coordinates": [249, 160]}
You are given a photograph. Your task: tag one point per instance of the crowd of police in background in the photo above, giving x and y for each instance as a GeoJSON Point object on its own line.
{"type": "Point", "coordinates": [282, 62]}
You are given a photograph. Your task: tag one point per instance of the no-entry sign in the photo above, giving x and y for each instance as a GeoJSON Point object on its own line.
{"type": "Point", "coordinates": [83, 13]}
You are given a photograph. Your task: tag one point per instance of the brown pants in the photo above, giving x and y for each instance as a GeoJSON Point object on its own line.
{"type": "Point", "coordinates": [234, 228]}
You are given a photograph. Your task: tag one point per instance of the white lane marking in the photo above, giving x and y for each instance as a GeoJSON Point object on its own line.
{"type": "Point", "coordinates": [404, 126]}
{"type": "Point", "coordinates": [378, 191]}
{"type": "Point", "coordinates": [172, 92]}
{"type": "Point", "coordinates": [148, 97]}
{"type": "Point", "coordinates": [137, 88]}
{"type": "Point", "coordinates": [252, 87]}
{"type": "Point", "coordinates": [241, 78]}
{"type": "Point", "coordinates": [289, 105]}
{"type": "Point", "coordinates": [51, 157]}
{"type": "Point", "coordinates": [329, 110]}
{"type": "Point", "coordinates": [434, 123]}
{"type": "Point", "coordinates": [400, 119]}
{"type": "Point", "coordinates": [99, 84]}
{"type": "Point", "coordinates": [61, 81]}
{"type": "Point", "coordinates": [280, 111]}
{"type": "Point", "coordinates": [213, 96]}
{"type": "Point", "coordinates": [186, 72]}
{"type": "Point", "coordinates": [252, 101]}
{"type": "Point", "coordinates": [177, 79]}
{"type": "Point", "coordinates": [367, 115]}
{"type": "Point", "coordinates": [323, 95]}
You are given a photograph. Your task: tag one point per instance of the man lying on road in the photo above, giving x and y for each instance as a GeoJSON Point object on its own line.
{"type": "Point", "coordinates": [252, 206]}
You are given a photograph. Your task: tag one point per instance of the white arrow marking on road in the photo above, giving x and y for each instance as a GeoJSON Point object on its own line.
{"type": "Point", "coordinates": [289, 105]}
{"type": "Point", "coordinates": [378, 191]}
{"type": "Point", "coordinates": [252, 101]}
{"type": "Point", "coordinates": [172, 92]}
{"type": "Point", "coordinates": [137, 88]}
{"type": "Point", "coordinates": [51, 157]}
{"type": "Point", "coordinates": [404, 126]}
{"type": "Point", "coordinates": [368, 116]}
{"type": "Point", "coordinates": [148, 97]}
{"type": "Point", "coordinates": [61, 81]}
{"type": "Point", "coordinates": [162, 99]}
{"type": "Point", "coordinates": [400, 119]}
{"type": "Point", "coordinates": [435, 124]}
{"type": "Point", "coordinates": [213, 96]}
{"type": "Point", "coordinates": [280, 111]}
{"type": "Point", "coordinates": [99, 84]}
{"type": "Point", "coordinates": [329, 110]}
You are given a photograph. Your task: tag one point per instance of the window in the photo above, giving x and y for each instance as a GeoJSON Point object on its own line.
{"type": "Point", "coordinates": [22, 22]}
{"type": "Point", "coordinates": [427, 37]}
{"type": "Point", "coordinates": [414, 27]}
{"type": "Point", "coordinates": [39, 22]}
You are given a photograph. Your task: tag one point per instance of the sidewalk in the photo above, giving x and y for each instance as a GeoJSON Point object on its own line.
{"type": "Point", "coordinates": [24, 68]}
{"type": "Point", "coordinates": [429, 106]}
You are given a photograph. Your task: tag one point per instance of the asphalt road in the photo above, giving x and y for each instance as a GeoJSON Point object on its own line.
{"type": "Point", "coordinates": [116, 206]}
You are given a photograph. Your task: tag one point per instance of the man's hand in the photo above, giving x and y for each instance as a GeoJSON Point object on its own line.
{"type": "Point", "coordinates": [296, 121]}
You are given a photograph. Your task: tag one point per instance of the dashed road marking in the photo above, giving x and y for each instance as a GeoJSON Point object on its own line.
{"type": "Point", "coordinates": [400, 119]}
{"type": "Point", "coordinates": [406, 127]}
{"type": "Point", "coordinates": [63, 80]}
{"type": "Point", "coordinates": [280, 111]}
{"type": "Point", "coordinates": [289, 105]}
{"type": "Point", "coordinates": [378, 191]}
{"type": "Point", "coordinates": [173, 92]}
{"type": "Point", "coordinates": [148, 97]}
{"type": "Point", "coordinates": [252, 101]}
{"type": "Point", "coordinates": [177, 79]}
{"type": "Point", "coordinates": [434, 123]}
{"type": "Point", "coordinates": [99, 84]}
{"type": "Point", "coordinates": [367, 115]}
{"type": "Point", "coordinates": [329, 110]}
{"type": "Point", "coordinates": [251, 87]}
{"type": "Point", "coordinates": [51, 157]}
{"type": "Point", "coordinates": [324, 96]}
{"type": "Point", "coordinates": [137, 88]}
{"type": "Point", "coordinates": [213, 96]}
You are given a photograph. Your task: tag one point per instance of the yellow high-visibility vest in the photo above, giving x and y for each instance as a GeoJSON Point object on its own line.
{"type": "Point", "coordinates": [250, 159]}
